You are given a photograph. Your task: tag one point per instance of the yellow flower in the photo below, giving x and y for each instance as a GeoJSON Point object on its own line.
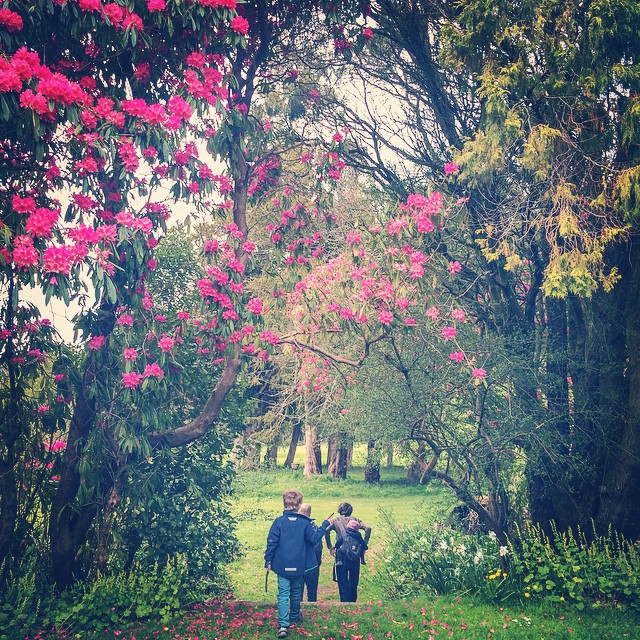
{"type": "Point", "coordinates": [527, 594]}
{"type": "Point", "coordinates": [562, 598]}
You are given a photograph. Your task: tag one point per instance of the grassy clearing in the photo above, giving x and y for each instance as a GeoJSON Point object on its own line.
{"type": "Point", "coordinates": [259, 500]}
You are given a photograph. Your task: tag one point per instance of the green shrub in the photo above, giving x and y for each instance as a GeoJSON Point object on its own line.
{"type": "Point", "coordinates": [440, 560]}
{"type": "Point", "coordinates": [139, 595]}
{"type": "Point", "coordinates": [26, 595]}
{"type": "Point", "coordinates": [570, 568]}
{"type": "Point", "coordinates": [573, 568]}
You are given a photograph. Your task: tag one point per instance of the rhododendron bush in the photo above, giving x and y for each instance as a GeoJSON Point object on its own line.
{"type": "Point", "coordinates": [109, 114]}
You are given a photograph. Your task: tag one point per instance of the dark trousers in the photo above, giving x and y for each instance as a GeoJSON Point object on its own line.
{"type": "Point", "coordinates": [311, 577]}
{"type": "Point", "coordinates": [348, 574]}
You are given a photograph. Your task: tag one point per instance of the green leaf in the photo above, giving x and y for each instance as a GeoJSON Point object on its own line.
{"type": "Point", "coordinates": [112, 294]}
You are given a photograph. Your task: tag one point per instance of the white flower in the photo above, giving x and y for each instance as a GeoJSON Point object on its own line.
{"type": "Point", "coordinates": [456, 572]}
{"type": "Point", "coordinates": [479, 557]}
{"type": "Point", "coordinates": [493, 536]}
{"type": "Point", "coordinates": [461, 550]}
{"type": "Point", "coordinates": [443, 545]}
{"type": "Point", "coordinates": [504, 551]}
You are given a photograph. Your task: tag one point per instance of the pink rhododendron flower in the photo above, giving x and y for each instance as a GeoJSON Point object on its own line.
{"type": "Point", "coordinates": [454, 267]}
{"type": "Point", "coordinates": [269, 337]}
{"type": "Point", "coordinates": [211, 246]}
{"type": "Point", "coordinates": [458, 315]}
{"type": "Point", "coordinates": [125, 320]}
{"type": "Point", "coordinates": [96, 342]}
{"type": "Point", "coordinates": [255, 306]}
{"type": "Point", "coordinates": [24, 253]}
{"type": "Point", "coordinates": [41, 222]}
{"type": "Point", "coordinates": [182, 315]}
{"type": "Point", "coordinates": [354, 238]}
{"type": "Point", "coordinates": [130, 355]}
{"type": "Point", "coordinates": [90, 5]}
{"type": "Point", "coordinates": [156, 5]}
{"type": "Point", "coordinates": [153, 370]}
{"type": "Point", "coordinates": [433, 313]}
{"type": "Point", "coordinates": [239, 25]}
{"type": "Point", "coordinates": [23, 205]}
{"type": "Point", "coordinates": [479, 373]}
{"type": "Point", "coordinates": [11, 20]}
{"type": "Point", "coordinates": [166, 343]}
{"type": "Point", "coordinates": [57, 259]}
{"type": "Point", "coordinates": [450, 168]}
{"type": "Point", "coordinates": [448, 333]}
{"type": "Point", "coordinates": [457, 356]}
{"type": "Point", "coordinates": [385, 317]}
{"type": "Point", "coordinates": [131, 380]}
{"type": "Point", "coordinates": [58, 377]}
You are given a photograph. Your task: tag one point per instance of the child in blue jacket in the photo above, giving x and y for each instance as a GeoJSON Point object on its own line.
{"type": "Point", "coordinates": [286, 555]}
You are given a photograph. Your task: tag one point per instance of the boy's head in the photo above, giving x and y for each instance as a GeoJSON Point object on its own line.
{"type": "Point", "coordinates": [353, 524]}
{"type": "Point", "coordinates": [305, 509]}
{"type": "Point", "coordinates": [345, 509]}
{"type": "Point", "coordinates": [292, 499]}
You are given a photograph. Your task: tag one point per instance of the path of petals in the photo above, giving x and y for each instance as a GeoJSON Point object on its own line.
{"type": "Point", "coordinates": [238, 620]}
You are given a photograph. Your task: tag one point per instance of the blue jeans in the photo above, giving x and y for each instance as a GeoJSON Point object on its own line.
{"type": "Point", "coordinates": [289, 596]}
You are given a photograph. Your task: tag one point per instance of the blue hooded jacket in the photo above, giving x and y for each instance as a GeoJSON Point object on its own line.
{"type": "Point", "coordinates": [287, 542]}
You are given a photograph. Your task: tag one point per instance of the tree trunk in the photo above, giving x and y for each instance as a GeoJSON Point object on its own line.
{"type": "Point", "coordinates": [372, 467]}
{"type": "Point", "coordinates": [389, 456]}
{"type": "Point", "coordinates": [271, 456]}
{"type": "Point", "coordinates": [310, 461]}
{"type": "Point", "coordinates": [417, 467]}
{"type": "Point", "coordinates": [295, 438]}
{"type": "Point", "coordinates": [318, 454]}
{"type": "Point", "coordinates": [9, 434]}
{"type": "Point", "coordinates": [337, 463]}
{"type": "Point", "coordinates": [106, 526]}
{"type": "Point", "coordinates": [331, 453]}
{"type": "Point", "coordinates": [620, 497]}
{"type": "Point", "coordinates": [67, 527]}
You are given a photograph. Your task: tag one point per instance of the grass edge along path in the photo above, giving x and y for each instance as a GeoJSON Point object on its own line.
{"type": "Point", "coordinates": [438, 619]}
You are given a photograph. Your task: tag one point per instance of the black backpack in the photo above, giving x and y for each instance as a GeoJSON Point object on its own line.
{"type": "Point", "coordinates": [351, 549]}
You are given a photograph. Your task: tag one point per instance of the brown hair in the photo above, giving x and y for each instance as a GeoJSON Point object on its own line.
{"type": "Point", "coordinates": [345, 509]}
{"type": "Point", "coordinates": [292, 499]}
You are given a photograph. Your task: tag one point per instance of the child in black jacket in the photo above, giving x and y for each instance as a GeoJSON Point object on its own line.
{"type": "Point", "coordinates": [348, 569]}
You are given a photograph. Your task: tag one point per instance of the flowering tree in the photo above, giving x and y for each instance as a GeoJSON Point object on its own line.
{"type": "Point", "coordinates": [98, 121]}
